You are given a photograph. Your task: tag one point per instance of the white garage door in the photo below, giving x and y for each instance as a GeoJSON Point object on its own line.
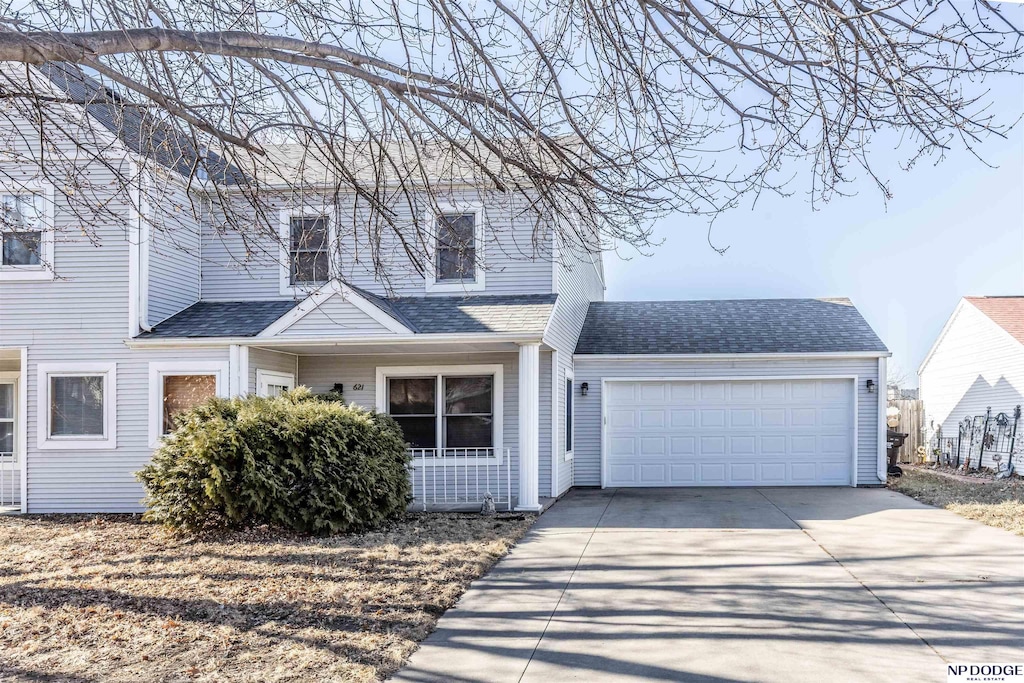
{"type": "Point", "coordinates": [728, 433]}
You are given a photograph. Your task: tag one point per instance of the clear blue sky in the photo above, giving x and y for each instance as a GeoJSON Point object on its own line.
{"type": "Point", "coordinates": [952, 229]}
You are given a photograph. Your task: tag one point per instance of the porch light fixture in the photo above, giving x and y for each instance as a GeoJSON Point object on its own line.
{"type": "Point", "coordinates": [339, 388]}
{"type": "Point", "coordinates": [871, 386]}
{"type": "Point", "coordinates": [584, 388]}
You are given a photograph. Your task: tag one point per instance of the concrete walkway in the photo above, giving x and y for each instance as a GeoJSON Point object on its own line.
{"type": "Point", "coordinates": [788, 585]}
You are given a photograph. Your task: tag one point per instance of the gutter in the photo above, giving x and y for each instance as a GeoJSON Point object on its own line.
{"type": "Point", "coordinates": [730, 356]}
{"type": "Point", "coordinates": [270, 342]}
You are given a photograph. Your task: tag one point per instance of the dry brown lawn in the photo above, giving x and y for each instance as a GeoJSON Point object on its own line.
{"type": "Point", "coordinates": [108, 598]}
{"type": "Point", "coordinates": [998, 503]}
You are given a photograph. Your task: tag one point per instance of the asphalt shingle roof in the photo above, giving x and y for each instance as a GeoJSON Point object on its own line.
{"type": "Point", "coordinates": [481, 313]}
{"type": "Point", "coordinates": [135, 125]}
{"type": "Point", "coordinates": [221, 319]}
{"type": "Point", "coordinates": [726, 326]}
{"type": "Point", "coordinates": [424, 315]}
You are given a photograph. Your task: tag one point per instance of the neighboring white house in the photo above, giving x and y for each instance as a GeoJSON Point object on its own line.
{"type": "Point", "coordinates": [976, 363]}
{"type": "Point", "coordinates": [509, 375]}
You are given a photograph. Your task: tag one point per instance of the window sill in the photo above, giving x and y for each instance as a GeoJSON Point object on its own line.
{"type": "Point", "coordinates": [25, 274]}
{"type": "Point", "coordinates": [77, 444]}
{"type": "Point", "coordinates": [303, 289]}
{"type": "Point", "coordinates": [568, 456]}
{"type": "Point", "coordinates": [455, 286]}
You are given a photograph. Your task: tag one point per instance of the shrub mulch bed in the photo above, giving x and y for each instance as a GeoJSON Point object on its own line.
{"type": "Point", "coordinates": [996, 502]}
{"type": "Point", "coordinates": [109, 598]}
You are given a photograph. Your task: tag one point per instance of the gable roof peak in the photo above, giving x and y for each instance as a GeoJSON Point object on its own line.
{"type": "Point", "coordinates": [1006, 311]}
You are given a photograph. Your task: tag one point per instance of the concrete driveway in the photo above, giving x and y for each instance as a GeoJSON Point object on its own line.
{"type": "Point", "coordinates": [825, 584]}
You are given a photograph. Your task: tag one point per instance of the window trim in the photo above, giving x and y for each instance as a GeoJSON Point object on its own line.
{"type": "Point", "coordinates": [160, 369]}
{"type": "Point", "coordinates": [479, 281]}
{"type": "Point", "coordinates": [264, 377]}
{"type": "Point", "coordinates": [284, 234]}
{"type": "Point", "coordinates": [569, 384]}
{"type": "Point", "coordinates": [44, 441]}
{"type": "Point", "coordinates": [497, 371]}
{"type": "Point", "coordinates": [45, 269]}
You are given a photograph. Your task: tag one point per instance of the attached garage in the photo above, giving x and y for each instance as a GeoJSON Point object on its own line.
{"type": "Point", "coordinates": [767, 432]}
{"type": "Point", "coordinates": [729, 393]}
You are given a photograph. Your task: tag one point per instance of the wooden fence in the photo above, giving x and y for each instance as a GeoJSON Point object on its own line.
{"type": "Point", "coordinates": [911, 423]}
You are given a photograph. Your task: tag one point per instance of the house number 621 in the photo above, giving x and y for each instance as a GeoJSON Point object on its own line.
{"type": "Point", "coordinates": [357, 387]}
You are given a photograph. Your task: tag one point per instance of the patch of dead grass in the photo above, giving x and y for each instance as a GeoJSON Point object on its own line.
{"type": "Point", "coordinates": [108, 598]}
{"type": "Point", "coordinates": [998, 503]}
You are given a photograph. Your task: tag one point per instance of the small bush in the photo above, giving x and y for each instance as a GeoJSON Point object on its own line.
{"type": "Point", "coordinates": [295, 460]}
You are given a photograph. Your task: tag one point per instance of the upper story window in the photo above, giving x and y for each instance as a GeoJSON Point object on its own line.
{"type": "Point", "coordinates": [27, 238]}
{"type": "Point", "coordinates": [308, 257]}
{"type": "Point", "coordinates": [23, 229]}
{"type": "Point", "coordinates": [458, 246]}
{"type": "Point", "coordinates": [307, 236]}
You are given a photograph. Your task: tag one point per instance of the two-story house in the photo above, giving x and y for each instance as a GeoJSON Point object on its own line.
{"type": "Point", "coordinates": [508, 372]}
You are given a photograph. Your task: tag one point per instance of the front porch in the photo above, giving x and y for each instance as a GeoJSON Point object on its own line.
{"type": "Point", "coordinates": [472, 413]}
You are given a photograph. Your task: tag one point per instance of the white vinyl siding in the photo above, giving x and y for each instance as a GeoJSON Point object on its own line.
{"type": "Point", "coordinates": [336, 317]}
{"type": "Point", "coordinates": [587, 460]}
{"type": "Point", "coordinates": [579, 283]}
{"type": "Point", "coordinates": [172, 224]}
{"type": "Point", "coordinates": [274, 361]}
{"type": "Point", "coordinates": [517, 263]}
{"type": "Point", "coordinates": [975, 365]}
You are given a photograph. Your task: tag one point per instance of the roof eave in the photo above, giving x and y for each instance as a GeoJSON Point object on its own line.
{"type": "Point", "coordinates": [732, 356]}
{"type": "Point", "coordinates": [410, 339]}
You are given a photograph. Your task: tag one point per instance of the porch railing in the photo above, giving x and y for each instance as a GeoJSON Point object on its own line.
{"type": "Point", "coordinates": [461, 477]}
{"type": "Point", "coordinates": [10, 481]}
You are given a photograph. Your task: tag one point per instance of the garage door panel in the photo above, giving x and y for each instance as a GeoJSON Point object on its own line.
{"type": "Point", "coordinates": [742, 473]}
{"type": "Point", "coordinates": [721, 433]}
{"type": "Point", "coordinates": [802, 445]}
{"type": "Point", "coordinates": [712, 445]}
{"type": "Point", "coordinates": [773, 391]}
{"type": "Point", "coordinates": [683, 391]}
{"type": "Point", "coordinates": [742, 445]}
{"type": "Point", "coordinates": [742, 417]}
{"type": "Point", "coordinates": [712, 417]}
{"type": "Point", "coordinates": [683, 445]}
{"type": "Point", "coordinates": [652, 393]}
{"type": "Point", "coordinates": [623, 475]}
{"type": "Point", "coordinates": [652, 445]}
{"type": "Point", "coordinates": [623, 446]}
{"type": "Point", "coordinates": [742, 391]}
{"type": "Point", "coordinates": [773, 472]}
{"type": "Point", "coordinates": [653, 473]}
{"type": "Point", "coordinates": [712, 391]}
{"type": "Point", "coordinates": [652, 418]}
{"type": "Point", "coordinates": [806, 472]}
{"type": "Point", "coordinates": [681, 474]}
{"type": "Point", "coordinates": [681, 419]}
{"type": "Point", "coordinates": [622, 418]}
{"type": "Point", "coordinates": [712, 474]}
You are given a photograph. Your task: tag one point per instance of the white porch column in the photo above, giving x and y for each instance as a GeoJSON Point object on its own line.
{"type": "Point", "coordinates": [529, 426]}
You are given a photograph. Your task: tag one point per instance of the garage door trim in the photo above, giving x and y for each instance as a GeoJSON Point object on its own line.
{"type": "Point", "coordinates": [605, 381]}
